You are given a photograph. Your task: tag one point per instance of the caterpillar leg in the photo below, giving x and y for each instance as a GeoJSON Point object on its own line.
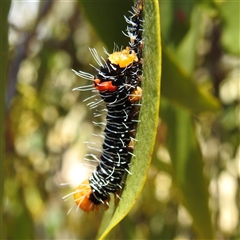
{"type": "Point", "coordinates": [135, 95]}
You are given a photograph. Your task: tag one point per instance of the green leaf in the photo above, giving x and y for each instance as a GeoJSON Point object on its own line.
{"type": "Point", "coordinates": [177, 86]}
{"type": "Point", "coordinates": [107, 19]}
{"type": "Point", "coordinates": [175, 16]}
{"type": "Point", "coordinates": [230, 14]}
{"type": "Point", "coordinates": [188, 167]}
{"type": "Point", "coordinates": [167, 16]}
{"type": "Point", "coordinates": [186, 50]}
{"type": "Point", "coordinates": [147, 128]}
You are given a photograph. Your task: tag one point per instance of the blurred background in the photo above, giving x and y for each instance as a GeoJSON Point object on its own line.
{"type": "Point", "coordinates": [46, 123]}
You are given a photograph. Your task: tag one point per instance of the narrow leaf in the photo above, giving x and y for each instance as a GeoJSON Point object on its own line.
{"type": "Point", "coordinates": [106, 17]}
{"type": "Point", "coordinates": [178, 86]}
{"type": "Point", "coordinates": [230, 15]}
{"type": "Point", "coordinates": [188, 167]}
{"type": "Point", "coordinates": [186, 51]}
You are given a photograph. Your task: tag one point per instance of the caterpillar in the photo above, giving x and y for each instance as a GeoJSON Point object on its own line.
{"type": "Point", "coordinates": [118, 83]}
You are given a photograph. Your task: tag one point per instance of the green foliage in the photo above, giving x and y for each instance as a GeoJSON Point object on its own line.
{"type": "Point", "coordinates": [177, 85]}
{"type": "Point", "coordinates": [188, 167]}
{"type": "Point", "coordinates": [229, 13]}
{"type": "Point", "coordinates": [101, 14]}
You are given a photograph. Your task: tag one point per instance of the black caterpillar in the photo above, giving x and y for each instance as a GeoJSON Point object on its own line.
{"type": "Point", "coordinates": [117, 81]}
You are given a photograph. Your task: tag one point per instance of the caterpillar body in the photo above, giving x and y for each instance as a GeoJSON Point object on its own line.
{"type": "Point", "coordinates": [118, 83]}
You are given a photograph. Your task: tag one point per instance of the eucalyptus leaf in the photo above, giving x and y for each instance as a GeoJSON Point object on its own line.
{"type": "Point", "coordinates": [177, 86]}
{"type": "Point", "coordinates": [187, 167]}
{"type": "Point", "coordinates": [230, 15]}
{"type": "Point", "coordinates": [106, 17]}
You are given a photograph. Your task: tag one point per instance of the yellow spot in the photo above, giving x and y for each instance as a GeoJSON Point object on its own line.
{"type": "Point", "coordinates": [123, 58]}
